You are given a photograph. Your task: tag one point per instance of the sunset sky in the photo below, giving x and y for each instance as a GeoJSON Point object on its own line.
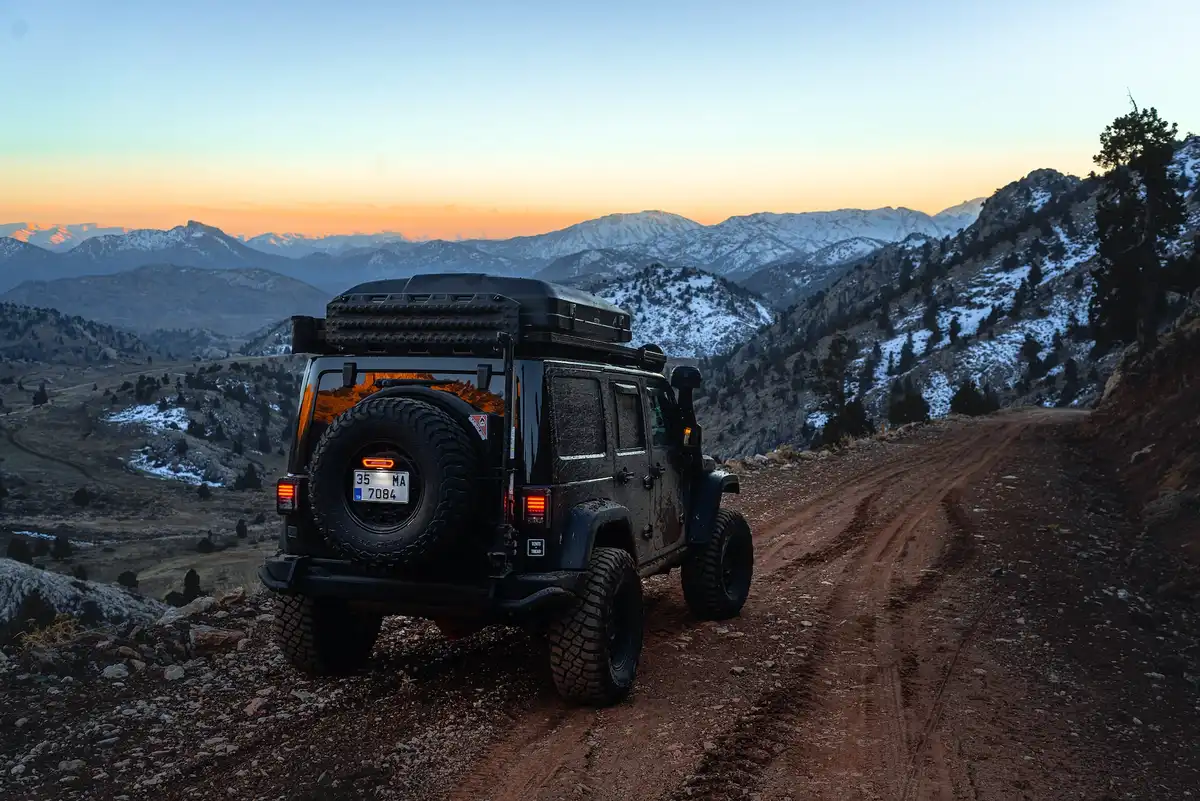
{"type": "Point", "coordinates": [459, 118]}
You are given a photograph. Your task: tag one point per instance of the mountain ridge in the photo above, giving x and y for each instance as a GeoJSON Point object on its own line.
{"type": "Point", "coordinates": [735, 247]}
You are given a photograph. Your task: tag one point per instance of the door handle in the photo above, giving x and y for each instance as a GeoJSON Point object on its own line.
{"type": "Point", "coordinates": [623, 475]}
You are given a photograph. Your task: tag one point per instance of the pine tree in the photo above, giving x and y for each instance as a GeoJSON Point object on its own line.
{"type": "Point", "coordinates": [1019, 299]}
{"type": "Point", "coordinates": [991, 399]}
{"type": "Point", "coordinates": [885, 320]}
{"type": "Point", "coordinates": [906, 404]}
{"type": "Point", "coordinates": [968, 400]}
{"type": "Point", "coordinates": [1139, 213]}
{"type": "Point", "coordinates": [249, 479]}
{"type": "Point", "coordinates": [1035, 273]}
{"type": "Point", "coordinates": [908, 355]}
{"type": "Point", "coordinates": [847, 417]}
{"type": "Point", "coordinates": [41, 396]}
{"type": "Point", "coordinates": [955, 330]}
{"type": "Point", "coordinates": [906, 271]}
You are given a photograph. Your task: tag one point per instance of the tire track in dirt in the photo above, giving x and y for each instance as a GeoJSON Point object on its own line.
{"type": "Point", "coordinates": [756, 740]}
{"type": "Point", "coordinates": [781, 535]}
{"type": "Point", "coordinates": [556, 758]}
{"type": "Point", "coordinates": [867, 648]}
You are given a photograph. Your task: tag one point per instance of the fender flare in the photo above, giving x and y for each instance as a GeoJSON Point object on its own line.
{"type": "Point", "coordinates": [584, 522]}
{"type": "Point", "coordinates": [706, 501]}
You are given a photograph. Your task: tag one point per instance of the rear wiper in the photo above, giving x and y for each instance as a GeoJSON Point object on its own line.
{"type": "Point", "coordinates": [408, 382]}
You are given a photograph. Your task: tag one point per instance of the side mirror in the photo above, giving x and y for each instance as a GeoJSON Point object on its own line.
{"type": "Point", "coordinates": [685, 377]}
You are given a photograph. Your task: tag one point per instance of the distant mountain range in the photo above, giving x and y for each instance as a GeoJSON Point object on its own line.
{"type": "Point", "coordinates": [735, 248]}
{"type": "Point", "coordinates": [142, 300]}
{"type": "Point", "coordinates": [56, 237]}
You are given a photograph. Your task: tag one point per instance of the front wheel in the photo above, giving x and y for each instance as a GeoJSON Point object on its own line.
{"type": "Point", "coordinates": [716, 578]}
{"type": "Point", "coordinates": [595, 646]}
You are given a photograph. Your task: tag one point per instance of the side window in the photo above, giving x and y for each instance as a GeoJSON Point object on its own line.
{"type": "Point", "coordinates": [664, 418]}
{"type": "Point", "coordinates": [578, 416]}
{"type": "Point", "coordinates": [631, 430]}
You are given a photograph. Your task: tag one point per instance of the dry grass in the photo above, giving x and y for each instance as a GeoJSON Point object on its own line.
{"type": "Point", "coordinates": [62, 630]}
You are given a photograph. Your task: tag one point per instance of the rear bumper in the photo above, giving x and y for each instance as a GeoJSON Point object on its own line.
{"type": "Point", "coordinates": [515, 596]}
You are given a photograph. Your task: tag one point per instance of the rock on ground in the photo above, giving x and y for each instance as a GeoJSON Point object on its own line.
{"type": "Point", "coordinates": [29, 593]}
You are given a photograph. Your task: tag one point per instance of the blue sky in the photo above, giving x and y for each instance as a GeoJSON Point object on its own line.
{"type": "Point", "coordinates": [345, 115]}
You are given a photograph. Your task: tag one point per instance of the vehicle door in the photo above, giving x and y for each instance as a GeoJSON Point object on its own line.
{"type": "Point", "coordinates": [582, 460]}
{"type": "Point", "coordinates": [666, 471]}
{"type": "Point", "coordinates": [631, 461]}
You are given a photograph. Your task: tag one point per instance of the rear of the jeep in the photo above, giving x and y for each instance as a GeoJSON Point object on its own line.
{"type": "Point", "coordinates": [415, 486]}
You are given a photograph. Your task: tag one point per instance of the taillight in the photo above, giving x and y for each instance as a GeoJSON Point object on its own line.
{"type": "Point", "coordinates": [537, 506]}
{"type": "Point", "coordinates": [379, 463]}
{"type": "Point", "coordinates": [285, 496]}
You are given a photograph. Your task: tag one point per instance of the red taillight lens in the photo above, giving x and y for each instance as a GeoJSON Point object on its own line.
{"type": "Point", "coordinates": [285, 496]}
{"type": "Point", "coordinates": [379, 463]}
{"type": "Point", "coordinates": [537, 506]}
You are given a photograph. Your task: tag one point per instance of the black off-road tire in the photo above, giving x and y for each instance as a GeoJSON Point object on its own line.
{"type": "Point", "coordinates": [322, 636]}
{"type": "Point", "coordinates": [716, 577]}
{"type": "Point", "coordinates": [443, 453]}
{"type": "Point", "coordinates": [595, 646]}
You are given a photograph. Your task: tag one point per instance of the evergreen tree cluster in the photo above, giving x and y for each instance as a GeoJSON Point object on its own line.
{"type": "Point", "coordinates": [1139, 214]}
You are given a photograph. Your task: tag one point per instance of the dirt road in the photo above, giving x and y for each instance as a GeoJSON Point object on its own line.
{"type": "Point", "coordinates": [933, 617]}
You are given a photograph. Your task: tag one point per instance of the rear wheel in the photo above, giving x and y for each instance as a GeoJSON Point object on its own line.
{"type": "Point", "coordinates": [716, 578]}
{"type": "Point", "coordinates": [323, 636]}
{"type": "Point", "coordinates": [595, 646]}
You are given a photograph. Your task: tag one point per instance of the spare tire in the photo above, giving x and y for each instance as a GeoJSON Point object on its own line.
{"type": "Point", "coordinates": [422, 440]}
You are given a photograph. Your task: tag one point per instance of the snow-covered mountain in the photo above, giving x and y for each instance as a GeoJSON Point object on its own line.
{"type": "Point", "coordinates": [299, 245]}
{"type": "Point", "coordinates": [594, 266]}
{"type": "Point", "coordinates": [784, 283]}
{"type": "Point", "coordinates": [56, 237]}
{"type": "Point", "coordinates": [957, 217]}
{"type": "Point", "coordinates": [610, 231]}
{"type": "Point", "coordinates": [1003, 303]}
{"type": "Point", "coordinates": [686, 312]}
{"type": "Point", "coordinates": [738, 246]}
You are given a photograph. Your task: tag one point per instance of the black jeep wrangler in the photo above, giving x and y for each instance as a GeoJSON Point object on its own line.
{"type": "Point", "coordinates": [478, 450]}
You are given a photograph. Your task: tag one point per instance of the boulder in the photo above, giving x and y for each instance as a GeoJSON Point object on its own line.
{"type": "Point", "coordinates": [208, 640]}
{"type": "Point", "coordinates": [30, 598]}
{"type": "Point", "coordinates": [195, 607]}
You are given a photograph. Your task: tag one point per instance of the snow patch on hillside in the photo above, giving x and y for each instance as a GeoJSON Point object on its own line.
{"type": "Point", "coordinates": [687, 313]}
{"type": "Point", "coordinates": [150, 416]}
{"type": "Point", "coordinates": [145, 462]}
{"type": "Point", "coordinates": [937, 394]}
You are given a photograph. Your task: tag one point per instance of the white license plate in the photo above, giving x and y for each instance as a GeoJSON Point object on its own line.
{"type": "Point", "coordinates": [381, 486]}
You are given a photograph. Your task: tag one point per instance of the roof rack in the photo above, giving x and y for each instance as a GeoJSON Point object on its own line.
{"type": "Point", "coordinates": [454, 314]}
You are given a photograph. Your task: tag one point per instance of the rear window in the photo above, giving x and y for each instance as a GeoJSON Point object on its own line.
{"type": "Point", "coordinates": [631, 431]}
{"type": "Point", "coordinates": [325, 398]}
{"type": "Point", "coordinates": [578, 416]}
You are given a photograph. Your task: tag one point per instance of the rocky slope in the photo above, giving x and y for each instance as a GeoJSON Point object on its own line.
{"type": "Point", "coordinates": [1003, 303]}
